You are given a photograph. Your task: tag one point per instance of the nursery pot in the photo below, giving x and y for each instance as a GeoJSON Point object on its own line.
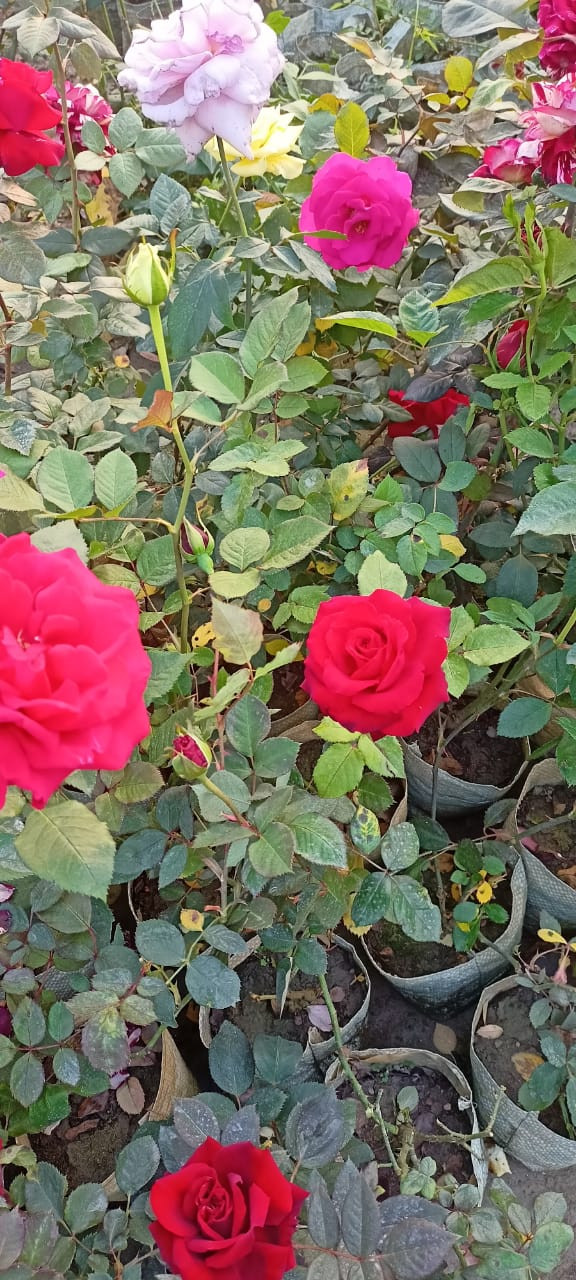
{"type": "Point", "coordinates": [452, 989]}
{"type": "Point", "coordinates": [316, 1050]}
{"type": "Point", "coordinates": [519, 1132]}
{"type": "Point", "coordinates": [434, 1062]}
{"type": "Point", "coordinates": [545, 891]}
{"type": "Point", "coordinates": [176, 1081]}
{"type": "Point", "coordinates": [454, 796]}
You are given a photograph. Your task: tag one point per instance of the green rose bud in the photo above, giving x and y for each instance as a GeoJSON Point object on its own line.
{"type": "Point", "coordinates": [146, 279]}
{"type": "Point", "coordinates": [191, 758]}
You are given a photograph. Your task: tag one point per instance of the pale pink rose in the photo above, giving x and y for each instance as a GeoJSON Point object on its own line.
{"type": "Point", "coordinates": [551, 128]}
{"type": "Point", "coordinates": [506, 161]}
{"type": "Point", "coordinates": [206, 69]}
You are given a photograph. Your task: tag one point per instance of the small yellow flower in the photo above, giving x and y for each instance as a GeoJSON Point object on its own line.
{"type": "Point", "coordinates": [550, 935]}
{"type": "Point", "coordinates": [484, 892]}
{"type": "Point", "coordinates": [272, 142]}
{"type": "Point", "coordinates": [192, 921]}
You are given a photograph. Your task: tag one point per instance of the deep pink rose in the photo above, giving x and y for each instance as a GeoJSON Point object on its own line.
{"type": "Point", "coordinates": [507, 162]}
{"type": "Point", "coordinates": [206, 69]}
{"type": "Point", "coordinates": [512, 343]}
{"type": "Point", "coordinates": [83, 103]}
{"type": "Point", "coordinates": [374, 663]}
{"type": "Point", "coordinates": [72, 670]}
{"type": "Point", "coordinates": [551, 128]}
{"type": "Point", "coordinates": [368, 201]}
{"type": "Point", "coordinates": [558, 20]}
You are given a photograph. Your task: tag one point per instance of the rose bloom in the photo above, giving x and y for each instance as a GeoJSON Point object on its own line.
{"type": "Point", "coordinates": [552, 128]}
{"type": "Point", "coordinates": [368, 202]}
{"type": "Point", "coordinates": [83, 103]}
{"type": "Point", "coordinates": [228, 1214]}
{"type": "Point", "coordinates": [25, 115]}
{"type": "Point", "coordinates": [374, 663]}
{"type": "Point", "coordinates": [512, 343]}
{"type": "Point", "coordinates": [72, 670]}
{"type": "Point", "coordinates": [431, 414]}
{"type": "Point", "coordinates": [506, 161]}
{"type": "Point", "coordinates": [272, 141]}
{"type": "Point", "coordinates": [206, 69]}
{"type": "Point", "coordinates": [558, 19]}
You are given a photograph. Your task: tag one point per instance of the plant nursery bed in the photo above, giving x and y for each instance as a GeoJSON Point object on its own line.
{"type": "Point", "coordinates": [476, 754]}
{"type": "Point", "coordinates": [555, 848]}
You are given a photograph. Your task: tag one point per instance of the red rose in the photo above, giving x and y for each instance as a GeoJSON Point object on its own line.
{"type": "Point", "coordinates": [374, 663]}
{"type": "Point", "coordinates": [431, 414]}
{"type": "Point", "coordinates": [72, 670]}
{"type": "Point", "coordinates": [229, 1214]}
{"type": "Point", "coordinates": [24, 115]}
{"type": "Point", "coordinates": [511, 343]}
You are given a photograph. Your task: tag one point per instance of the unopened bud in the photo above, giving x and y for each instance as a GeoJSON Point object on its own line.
{"type": "Point", "coordinates": [146, 279]}
{"type": "Point", "coordinates": [191, 758]}
{"type": "Point", "coordinates": [195, 539]}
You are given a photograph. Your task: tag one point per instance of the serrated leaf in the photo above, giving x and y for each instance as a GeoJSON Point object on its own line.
{"type": "Point", "coordinates": [66, 843]}
{"type": "Point", "coordinates": [380, 574]}
{"type": "Point", "coordinates": [238, 633]}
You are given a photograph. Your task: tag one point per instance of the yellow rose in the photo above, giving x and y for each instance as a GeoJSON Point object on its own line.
{"type": "Point", "coordinates": [273, 138]}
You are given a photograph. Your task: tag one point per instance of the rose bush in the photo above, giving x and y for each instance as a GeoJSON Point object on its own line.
{"type": "Point", "coordinates": [206, 69]}
{"type": "Point", "coordinates": [72, 670]}
{"type": "Point", "coordinates": [229, 1211]}
{"type": "Point", "coordinates": [368, 202]}
{"type": "Point", "coordinates": [25, 116]}
{"type": "Point", "coordinates": [431, 414]}
{"type": "Point", "coordinates": [374, 663]}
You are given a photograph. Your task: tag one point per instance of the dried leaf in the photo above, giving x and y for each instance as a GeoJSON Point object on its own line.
{"type": "Point", "coordinates": [444, 1038]}
{"type": "Point", "coordinates": [319, 1017]}
{"type": "Point", "coordinates": [526, 1063]}
{"type": "Point", "coordinates": [159, 413]}
{"type": "Point", "coordinates": [490, 1032]}
{"type": "Point", "coordinates": [568, 875]}
{"type": "Point", "coordinates": [497, 1162]}
{"type": "Point", "coordinates": [130, 1097]}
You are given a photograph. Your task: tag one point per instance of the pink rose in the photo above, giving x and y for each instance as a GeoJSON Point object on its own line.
{"type": "Point", "coordinates": [367, 201]}
{"type": "Point", "coordinates": [83, 103]}
{"type": "Point", "coordinates": [558, 19]}
{"type": "Point", "coordinates": [552, 128]}
{"type": "Point", "coordinates": [506, 161]}
{"type": "Point", "coordinates": [206, 69]}
{"type": "Point", "coordinates": [72, 670]}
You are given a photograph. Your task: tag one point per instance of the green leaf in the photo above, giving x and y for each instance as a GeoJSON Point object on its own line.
{"type": "Point", "coordinates": [156, 564]}
{"type": "Point", "coordinates": [457, 476]}
{"type": "Point", "coordinates": [115, 479]}
{"type": "Point", "coordinates": [418, 316]}
{"type": "Point", "coordinates": [195, 1121]}
{"type": "Point", "coordinates": [293, 540]}
{"type": "Point", "coordinates": [66, 1066]}
{"type": "Point", "coordinates": [400, 847]}
{"type": "Point", "coordinates": [457, 674]}
{"type": "Point", "coordinates": [37, 33]}
{"type": "Point", "coordinates": [65, 479]}
{"type": "Point", "coordinates": [67, 844]}
{"type": "Point", "coordinates": [244, 547]}
{"type": "Point", "coordinates": [160, 942]}
{"type": "Point", "coordinates": [352, 129]}
{"type": "Point", "coordinates": [26, 1079]}
{"type": "Point", "coordinates": [267, 379]}
{"type": "Point", "coordinates": [338, 770]}
{"type": "Point", "coordinates": [212, 983]}
{"type": "Point", "coordinates": [370, 320]}
{"type": "Point", "coordinates": [167, 667]}
{"type": "Point", "coordinates": [230, 1060]}
{"type": "Point", "coordinates": [125, 128]}
{"type": "Point", "coordinates": [533, 400]}
{"type": "Point", "coordinates": [523, 717]}
{"type": "Point", "coordinates": [16, 495]}
{"type": "Point", "coordinates": [272, 854]}
{"type": "Point", "coordinates": [238, 633]}
{"type": "Point", "coordinates": [265, 331]}
{"type": "Point", "coordinates": [86, 1206]}
{"type": "Point", "coordinates": [137, 1164]}
{"type": "Point", "coordinates": [247, 724]}
{"type": "Point", "coordinates": [28, 1023]}
{"type": "Point", "coordinates": [319, 840]}
{"type": "Point", "coordinates": [330, 731]}
{"type": "Point", "coordinates": [530, 440]}
{"type": "Point", "coordinates": [348, 486]}
{"type": "Point", "coordinates": [161, 149]}
{"type": "Point", "coordinates": [276, 1059]}
{"type": "Point", "coordinates": [126, 172]}
{"type": "Point", "coordinates": [489, 645]}
{"type": "Point", "coordinates": [548, 1245]}
{"type": "Point", "coordinates": [474, 17]}
{"type": "Point", "coordinates": [418, 459]}
{"type": "Point", "coordinates": [218, 375]}
{"type": "Point", "coordinates": [380, 574]}
{"type": "Point", "coordinates": [13, 1229]}
{"type": "Point", "coordinates": [560, 257]}
{"type": "Point", "coordinates": [234, 586]}
{"type": "Point", "coordinates": [552, 511]}
{"type": "Point", "coordinates": [502, 273]}
{"type": "Point", "coordinates": [21, 261]}
{"type": "Point", "coordinates": [413, 910]}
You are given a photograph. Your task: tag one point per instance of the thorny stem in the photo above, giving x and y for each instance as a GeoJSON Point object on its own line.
{"type": "Point", "coordinates": [234, 201]}
{"type": "Point", "coordinates": [7, 349]}
{"type": "Point", "coordinates": [211, 786]}
{"type": "Point", "coordinates": [372, 1112]}
{"type": "Point", "coordinates": [60, 78]}
{"type": "Point", "coordinates": [440, 890]}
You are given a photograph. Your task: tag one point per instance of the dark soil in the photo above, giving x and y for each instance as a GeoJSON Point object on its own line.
{"type": "Point", "coordinates": [400, 955]}
{"type": "Point", "coordinates": [437, 1100]}
{"type": "Point", "coordinates": [90, 1155]}
{"type": "Point", "coordinates": [556, 849]}
{"type": "Point", "coordinates": [510, 1011]}
{"type": "Point", "coordinates": [477, 754]}
{"type": "Point", "coordinates": [257, 1015]}
{"type": "Point", "coordinates": [288, 694]}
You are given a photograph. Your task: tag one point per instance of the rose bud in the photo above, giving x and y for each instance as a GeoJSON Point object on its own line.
{"type": "Point", "coordinates": [146, 279]}
{"type": "Point", "coordinates": [197, 545]}
{"type": "Point", "coordinates": [191, 757]}
{"type": "Point", "coordinates": [512, 343]}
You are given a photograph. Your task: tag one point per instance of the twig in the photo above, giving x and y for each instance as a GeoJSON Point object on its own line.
{"type": "Point", "coordinates": [61, 85]}
{"type": "Point", "coordinates": [7, 349]}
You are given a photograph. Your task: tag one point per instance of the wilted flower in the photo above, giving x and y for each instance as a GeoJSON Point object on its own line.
{"type": "Point", "coordinates": [507, 161]}
{"type": "Point", "coordinates": [272, 141]}
{"type": "Point", "coordinates": [147, 280]}
{"type": "Point", "coordinates": [206, 69]}
{"type": "Point", "coordinates": [552, 128]}
{"type": "Point", "coordinates": [558, 19]}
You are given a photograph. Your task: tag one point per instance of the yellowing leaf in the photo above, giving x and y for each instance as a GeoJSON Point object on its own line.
{"type": "Point", "coordinates": [550, 935]}
{"type": "Point", "coordinates": [458, 73]}
{"type": "Point", "coordinates": [122, 362]}
{"type": "Point", "coordinates": [348, 485]}
{"type": "Point", "coordinates": [203, 635]}
{"type": "Point", "coordinates": [327, 102]}
{"type": "Point", "coordinates": [276, 645]}
{"type": "Point", "coordinates": [324, 568]}
{"type": "Point", "coordinates": [439, 99]}
{"type": "Point", "coordinates": [191, 921]}
{"type": "Point", "coordinates": [526, 1063]}
{"type": "Point", "coordinates": [452, 544]}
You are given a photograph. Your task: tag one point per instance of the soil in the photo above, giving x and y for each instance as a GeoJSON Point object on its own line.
{"type": "Point", "coordinates": [91, 1155]}
{"type": "Point", "coordinates": [437, 1100]}
{"type": "Point", "coordinates": [402, 956]}
{"type": "Point", "coordinates": [477, 754]}
{"type": "Point", "coordinates": [510, 1011]}
{"type": "Point", "coordinates": [556, 849]}
{"type": "Point", "coordinates": [257, 1015]}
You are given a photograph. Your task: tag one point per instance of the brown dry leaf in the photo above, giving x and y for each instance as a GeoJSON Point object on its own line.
{"type": "Point", "coordinates": [526, 1063]}
{"type": "Point", "coordinates": [568, 875]}
{"type": "Point", "coordinates": [338, 994]}
{"type": "Point", "coordinates": [490, 1032]}
{"type": "Point", "coordinates": [445, 863]}
{"type": "Point", "coordinates": [444, 1038]}
{"type": "Point", "coordinates": [130, 1096]}
{"type": "Point", "coordinates": [159, 413]}
{"type": "Point", "coordinates": [451, 765]}
{"type": "Point", "coordinates": [103, 207]}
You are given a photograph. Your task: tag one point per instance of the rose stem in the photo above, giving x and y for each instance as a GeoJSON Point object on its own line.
{"type": "Point", "coordinates": [7, 349]}
{"type": "Point", "coordinates": [233, 194]}
{"type": "Point", "coordinates": [61, 85]}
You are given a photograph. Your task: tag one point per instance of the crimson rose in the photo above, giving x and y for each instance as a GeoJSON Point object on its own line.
{"type": "Point", "coordinates": [25, 114]}
{"type": "Point", "coordinates": [228, 1214]}
{"type": "Point", "coordinates": [374, 663]}
{"type": "Point", "coordinates": [431, 414]}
